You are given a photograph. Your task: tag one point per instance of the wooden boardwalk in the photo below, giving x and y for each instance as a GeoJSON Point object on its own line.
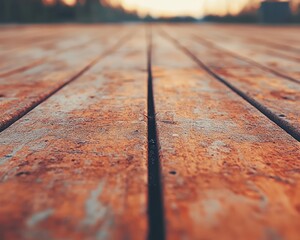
{"type": "Point", "coordinates": [149, 132]}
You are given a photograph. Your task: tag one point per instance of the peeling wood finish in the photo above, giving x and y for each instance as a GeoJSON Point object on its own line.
{"type": "Point", "coordinates": [76, 164]}
{"type": "Point", "coordinates": [228, 172]}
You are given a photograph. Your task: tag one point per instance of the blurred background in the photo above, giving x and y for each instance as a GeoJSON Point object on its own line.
{"type": "Point", "coordinates": [246, 11]}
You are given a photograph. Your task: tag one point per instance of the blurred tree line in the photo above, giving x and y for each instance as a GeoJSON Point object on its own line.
{"type": "Point", "coordinates": [250, 13]}
{"type": "Point", "coordinates": [38, 11]}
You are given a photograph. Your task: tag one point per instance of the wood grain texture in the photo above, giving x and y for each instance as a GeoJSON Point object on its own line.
{"type": "Point", "coordinates": [75, 166]}
{"type": "Point", "coordinates": [25, 37]}
{"type": "Point", "coordinates": [25, 55]}
{"type": "Point", "coordinates": [228, 172]}
{"type": "Point", "coordinates": [274, 93]}
{"type": "Point", "coordinates": [23, 91]}
{"type": "Point", "coordinates": [267, 50]}
{"type": "Point", "coordinates": [282, 38]}
{"type": "Point", "coordinates": [80, 157]}
{"type": "Point", "coordinates": [283, 64]}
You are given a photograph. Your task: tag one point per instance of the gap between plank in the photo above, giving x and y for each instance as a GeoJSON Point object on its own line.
{"type": "Point", "coordinates": [155, 199]}
{"type": "Point", "coordinates": [111, 49]}
{"type": "Point", "coordinates": [245, 59]}
{"type": "Point", "coordinates": [286, 126]}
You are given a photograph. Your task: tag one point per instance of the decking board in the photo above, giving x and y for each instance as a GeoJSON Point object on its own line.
{"type": "Point", "coordinates": [33, 38]}
{"type": "Point", "coordinates": [21, 92]}
{"type": "Point", "coordinates": [77, 162]}
{"type": "Point", "coordinates": [227, 170]}
{"type": "Point", "coordinates": [28, 55]}
{"type": "Point", "coordinates": [283, 64]}
{"type": "Point", "coordinates": [79, 154]}
{"type": "Point", "coordinates": [273, 93]}
{"type": "Point", "coordinates": [279, 32]}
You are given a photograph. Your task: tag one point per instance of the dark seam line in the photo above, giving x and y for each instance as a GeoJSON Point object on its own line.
{"type": "Point", "coordinates": [155, 199]}
{"type": "Point", "coordinates": [286, 126]}
{"type": "Point", "coordinates": [11, 121]}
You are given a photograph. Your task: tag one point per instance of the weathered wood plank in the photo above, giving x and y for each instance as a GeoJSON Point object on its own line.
{"type": "Point", "coordinates": [266, 37]}
{"type": "Point", "coordinates": [40, 33]}
{"type": "Point", "coordinates": [228, 38]}
{"type": "Point", "coordinates": [75, 166]}
{"type": "Point", "coordinates": [21, 92]}
{"type": "Point", "coordinates": [275, 96]}
{"type": "Point", "coordinates": [282, 65]}
{"type": "Point", "coordinates": [24, 38]}
{"type": "Point", "coordinates": [24, 56]}
{"type": "Point", "coordinates": [282, 33]}
{"type": "Point", "coordinates": [228, 171]}
{"type": "Point", "coordinates": [261, 48]}
{"type": "Point", "coordinates": [265, 33]}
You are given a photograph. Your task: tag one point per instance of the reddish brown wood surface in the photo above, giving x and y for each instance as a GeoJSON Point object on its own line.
{"type": "Point", "coordinates": [228, 172]}
{"type": "Point", "coordinates": [77, 161]}
{"type": "Point", "coordinates": [24, 55]}
{"type": "Point", "coordinates": [282, 39]}
{"type": "Point", "coordinates": [21, 92]}
{"type": "Point", "coordinates": [282, 63]}
{"type": "Point", "coordinates": [76, 164]}
{"type": "Point", "coordinates": [274, 93]}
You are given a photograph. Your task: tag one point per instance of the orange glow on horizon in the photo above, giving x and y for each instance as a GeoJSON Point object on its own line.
{"type": "Point", "coordinates": [70, 2]}
{"type": "Point", "coordinates": [170, 8]}
{"type": "Point", "coordinates": [67, 2]}
{"type": "Point", "coordinates": [195, 8]}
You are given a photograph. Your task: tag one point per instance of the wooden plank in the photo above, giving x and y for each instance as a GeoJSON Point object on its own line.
{"type": "Point", "coordinates": [22, 57]}
{"type": "Point", "coordinates": [282, 65]}
{"type": "Point", "coordinates": [75, 166]}
{"type": "Point", "coordinates": [47, 35]}
{"type": "Point", "coordinates": [228, 171]}
{"type": "Point", "coordinates": [281, 33]}
{"type": "Point", "coordinates": [40, 33]}
{"type": "Point", "coordinates": [273, 51]}
{"type": "Point", "coordinates": [22, 92]}
{"type": "Point", "coordinates": [265, 38]}
{"type": "Point", "coordinates": [273, 95]}
{"type": "Point", "coordinates": [21, 38]}
{"type": "Point", "coordinates": [17, 30]}
{"type": "Point", "coordinates": [230, 39]}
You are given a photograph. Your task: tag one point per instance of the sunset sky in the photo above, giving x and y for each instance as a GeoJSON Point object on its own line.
{"type": "Point", "coordinates": [196, 8]}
